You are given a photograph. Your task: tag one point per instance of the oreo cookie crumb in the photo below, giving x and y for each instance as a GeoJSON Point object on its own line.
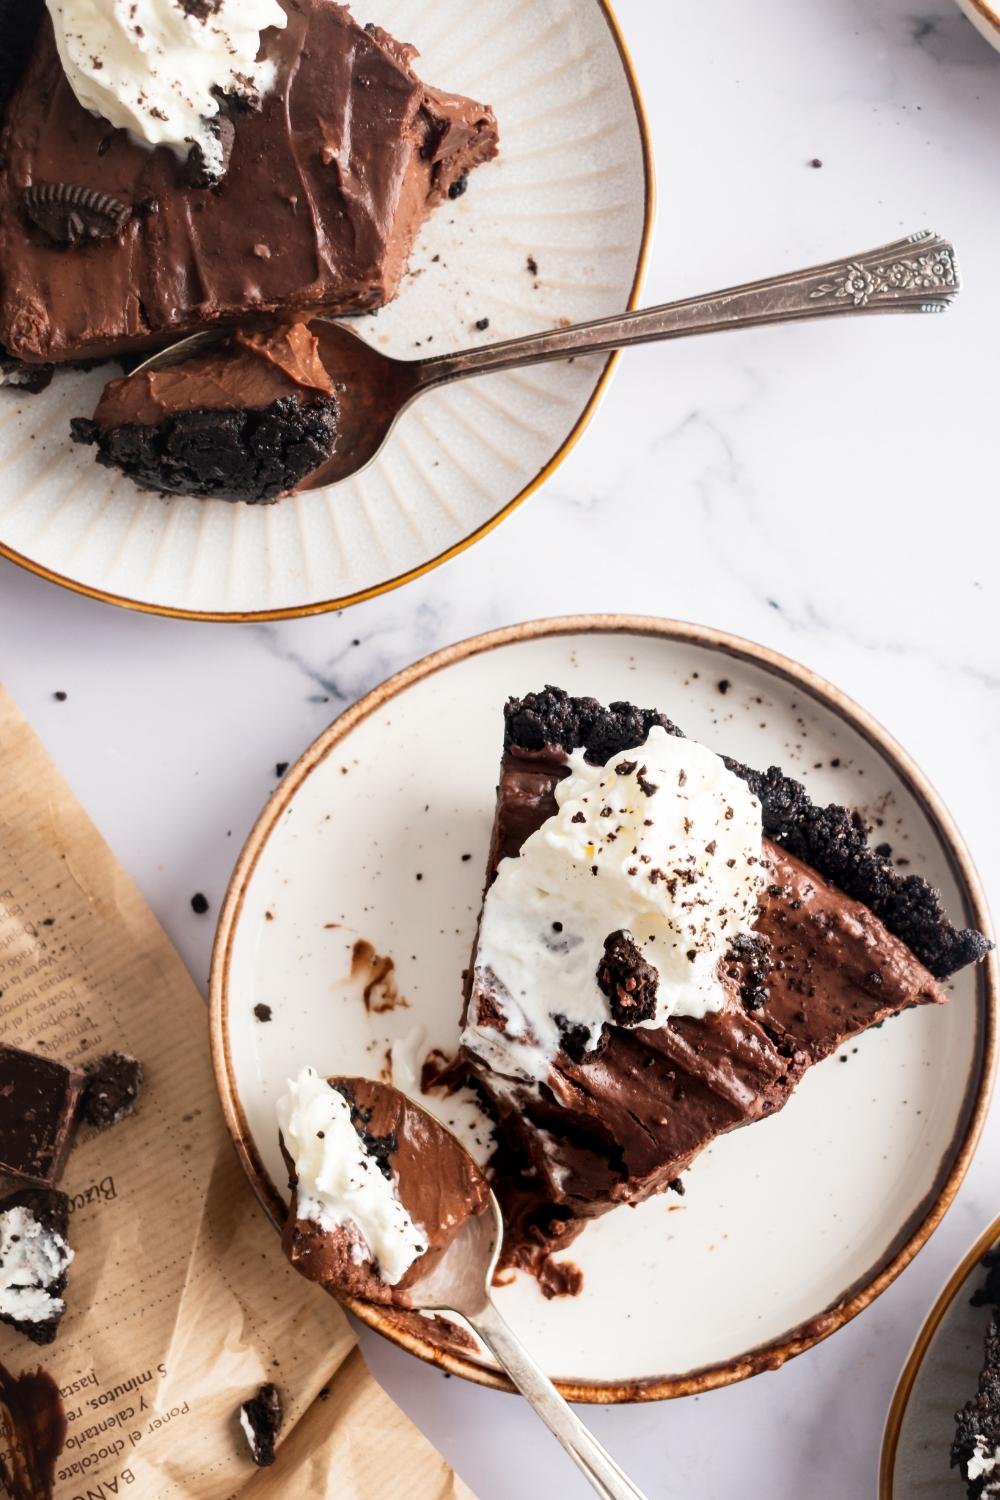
{"type": "Point", "coordinates": [199, 904]}
{"type": "Point", "coordinates": [482, 324]}
{"type": "Point", "coordinates": [262, 1012]}
{"type": "Point", "coordinates": [254, 456]}
{"type": "Point", "coordinates": [280, 768]}
{"type": "Point", "coordinates": [261, 1418]}
{"type": "Point", "coordinates": [628, 981]}
{"type": "Point", "coordinates": [724, 685]}
{"type": "Point", "coordinates": [111, 1091]}
{"type": "Point", "coordinates": [199, 172]}
{"type": "Point", "coordinates": [381, 1148]}
{"type": "Point", "coordinates": [458, 187]}
{"type": "Point", "coordinates": [751, 957]}
{"type": "Point", "coordinates": [532, 265]}
{"type": "Point", "coordinates": [60, 696]}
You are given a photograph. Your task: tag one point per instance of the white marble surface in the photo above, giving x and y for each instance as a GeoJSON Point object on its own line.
{"type": "Point", "coordinates": [829, 490]}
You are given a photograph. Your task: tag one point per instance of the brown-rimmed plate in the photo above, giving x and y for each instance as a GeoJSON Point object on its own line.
{"type": "Point", "coordinates": [557, 230]}
{"type": "Point", "coordinates": [939, 1377]}
{"type": "Point", "coordinates": [372, 850]}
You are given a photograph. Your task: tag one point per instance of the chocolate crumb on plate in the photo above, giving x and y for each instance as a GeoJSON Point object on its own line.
{"type": "Point", "coordinates": [199, 904]}
{"type": "Point", "coordinates": [260, 1419]}
{"type": "Point", "coordinates": [111, 1090]}
{"type": "Point", "coordinates": [34, 1258]}
{"type": "Point", "coordinates": [262, 1012]}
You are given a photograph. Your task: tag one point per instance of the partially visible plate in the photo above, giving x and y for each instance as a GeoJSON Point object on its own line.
{"type": "Point", "coordinates": [985, 16]}
{"type": "Point", "coordinates": [376, 842]}
{"type": "Point", "coordinates": [939, 1377]}
{"type": "Point", "coordinates": [571, 194]}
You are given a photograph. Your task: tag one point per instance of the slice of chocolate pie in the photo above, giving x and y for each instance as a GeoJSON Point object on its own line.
{"type": "Point", "coordinates": [170, 166]}
{"type": "Point", "coordinates": [668, 941]}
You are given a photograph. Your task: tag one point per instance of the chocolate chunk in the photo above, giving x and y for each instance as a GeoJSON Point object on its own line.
{"type": "Point", "coordinates": [260, 1419]}
{"type": "Point", "coordinates": [111, 1089]}
{"type": "Point", "coordinates": [629, 982]}
{"type": "Point", "coordinates": [251, 455]}
{"type": "Point", "coordinates": [34, 1256]}
{"type": "Point", "coordinates": [201, 9]}
{"type": "Point", "coordinates": [38, 1107]}
{"type": "Point", "coordinates": [71, 215]}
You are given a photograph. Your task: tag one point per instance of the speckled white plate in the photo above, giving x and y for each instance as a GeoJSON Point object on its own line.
{"type": "Point", "coordinates": [379, 835]}
{"type": "Point", "coordinates": [571, 192]}
{"type": "Point", "coordinates": [939, 1377]}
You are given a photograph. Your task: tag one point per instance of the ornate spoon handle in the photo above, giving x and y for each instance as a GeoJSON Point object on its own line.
{"type": "Point", "coordinates": [918, 275]}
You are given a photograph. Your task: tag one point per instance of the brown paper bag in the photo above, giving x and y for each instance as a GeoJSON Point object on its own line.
{"type": "Point", "coordinates": [180, 1303]}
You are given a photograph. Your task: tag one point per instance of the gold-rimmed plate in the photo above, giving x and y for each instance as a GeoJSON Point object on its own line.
{"type": "Point", "coordinates": [939, 1377]}
{"type": "Point", "coordinates": [374, 845]}
{"type": "Point", "coordinates": [557, 229]}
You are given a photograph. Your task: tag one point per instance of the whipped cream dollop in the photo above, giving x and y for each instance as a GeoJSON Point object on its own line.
{"type": "Point", "coordinates": [663, 843]}
{"type": "Point", "coordinates": [153, 67]}
{"type": "Point", "coordinates": [985, 1464]}
{"type": "Point", "coordinates": [32, 1261]}
{"type": "Point", "coordinates": [339, 1184]}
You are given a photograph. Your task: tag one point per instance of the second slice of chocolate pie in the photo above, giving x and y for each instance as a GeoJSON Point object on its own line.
{"type": "Point", "coordinates": [668, 941]}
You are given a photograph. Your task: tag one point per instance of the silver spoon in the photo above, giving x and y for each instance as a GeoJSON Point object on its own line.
{"type": "Point", "coordinates": [459, 1281]}
{"type": "Point", "coordinates": [918, 274]}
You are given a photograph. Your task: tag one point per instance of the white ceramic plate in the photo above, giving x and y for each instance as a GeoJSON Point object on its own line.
{"type": "Point", "coordinates": [939, 1377]}
{"type": "Point", "coordinates": [380, 834]}
{"type": "Point", "coordinates": [572, 190]}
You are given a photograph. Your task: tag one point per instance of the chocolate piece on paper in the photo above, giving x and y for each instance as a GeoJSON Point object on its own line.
{"type": "Point", "coordinates": [34, 1258]}
{"type": "Point", "coordinates": [111, 1089]}
{"type": "Point", "coordinates": [38, 1111]}
{"type": "Point", "coordinates": [260, 1419]}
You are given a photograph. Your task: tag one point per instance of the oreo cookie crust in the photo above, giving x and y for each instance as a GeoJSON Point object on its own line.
{"type": "Point", "coordinates": [826, 838]}
{"type": "Point", "coordinates": [253, 455]}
